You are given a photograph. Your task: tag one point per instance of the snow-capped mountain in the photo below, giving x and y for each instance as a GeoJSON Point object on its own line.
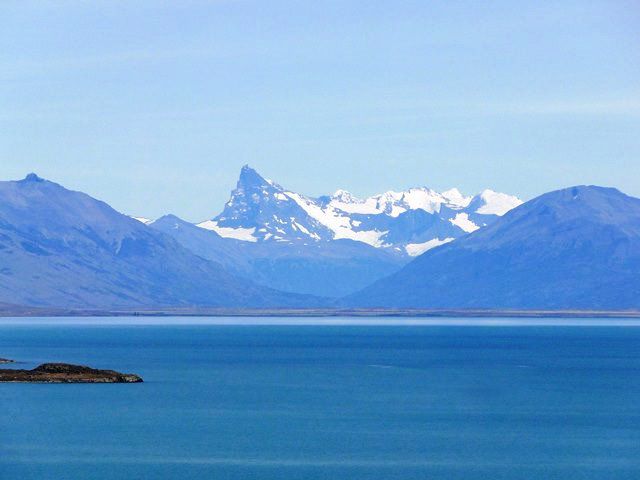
{"type": "Point", "coordinates": [407, 223]}
{"type": "Point", "coordinates": [575, 248]}
{"type": "Point", "coordinates": [331, 245]}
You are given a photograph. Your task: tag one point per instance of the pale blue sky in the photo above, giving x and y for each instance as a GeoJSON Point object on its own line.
{"type": "Point", "coordinates": [153, 106]}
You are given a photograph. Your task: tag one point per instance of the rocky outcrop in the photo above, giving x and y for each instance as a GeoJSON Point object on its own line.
{"type": "Point", "coordinates": [66, 373]}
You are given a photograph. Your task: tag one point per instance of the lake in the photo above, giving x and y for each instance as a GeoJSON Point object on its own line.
{"type": "Point", "coordinates": [326, 399]}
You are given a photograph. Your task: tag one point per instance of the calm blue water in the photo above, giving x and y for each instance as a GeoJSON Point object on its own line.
{"type": "Point", "coordinates": [326, 402]}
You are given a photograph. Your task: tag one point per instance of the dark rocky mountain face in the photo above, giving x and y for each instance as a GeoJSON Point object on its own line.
{"type": "Point", "coordinates": [573, 248]}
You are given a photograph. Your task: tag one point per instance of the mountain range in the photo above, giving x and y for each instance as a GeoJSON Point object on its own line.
{"type": "Point", "coordinates": [331, 245]}
{"type": "Point", "coordinates": [577, 248]}
{"type": "Point", "coordinates": [406, 223]}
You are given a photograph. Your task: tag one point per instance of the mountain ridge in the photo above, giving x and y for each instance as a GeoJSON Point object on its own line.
{"type": "Point", "coordinates": [61, 248]}
{"type": "Point", "coordinates": [577, 247]}
{"type": "Point", "coordinates": [261, 210]}
{"type": "Point", "coordinates": [574, 248]}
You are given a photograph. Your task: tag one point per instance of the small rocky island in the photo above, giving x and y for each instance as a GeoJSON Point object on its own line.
{"type": "Point", "coordinates": [65, 373]}
{"type": "Point", "coordinates": [5, 360]}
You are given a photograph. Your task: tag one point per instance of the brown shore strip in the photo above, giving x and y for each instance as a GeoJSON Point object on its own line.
{"type": "Point", "coordinates": [14, 311]}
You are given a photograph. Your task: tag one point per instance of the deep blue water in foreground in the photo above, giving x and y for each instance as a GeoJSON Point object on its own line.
{"type": "Point", "coordinates": [326, 402]}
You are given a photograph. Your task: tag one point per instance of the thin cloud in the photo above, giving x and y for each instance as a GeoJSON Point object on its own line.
{"type": "Point", "coordinates": [586, 107]}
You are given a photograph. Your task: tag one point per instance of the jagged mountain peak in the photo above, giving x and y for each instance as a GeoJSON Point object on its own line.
{"type": "Point", "coordinates": [404, 222]}
{"type": "Point", "coordinates": [250, 178]}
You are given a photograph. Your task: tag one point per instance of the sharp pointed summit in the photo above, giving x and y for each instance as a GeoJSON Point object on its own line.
{"type": "Point", "coordinates": [250, 178]}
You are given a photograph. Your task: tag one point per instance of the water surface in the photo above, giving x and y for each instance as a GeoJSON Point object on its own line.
{"type": "Point", "coordinates": [250, 399]}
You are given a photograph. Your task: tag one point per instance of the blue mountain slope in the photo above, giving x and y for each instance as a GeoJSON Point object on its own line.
{"type": "Point", "coordinates": [60, 248]}
{"type": "Point", "coordinates": [204, 243]}
{"type": "Point", "coordinates": [573, 248]}
{"type": "Point", "coordinates": [321, 268]}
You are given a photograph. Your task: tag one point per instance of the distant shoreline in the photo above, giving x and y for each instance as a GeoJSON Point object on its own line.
{"type": "Point", "coordinates": [316, 312]}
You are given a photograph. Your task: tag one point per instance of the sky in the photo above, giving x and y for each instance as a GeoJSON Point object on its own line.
{"type": "Point", "coordinates": [154, 106]}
